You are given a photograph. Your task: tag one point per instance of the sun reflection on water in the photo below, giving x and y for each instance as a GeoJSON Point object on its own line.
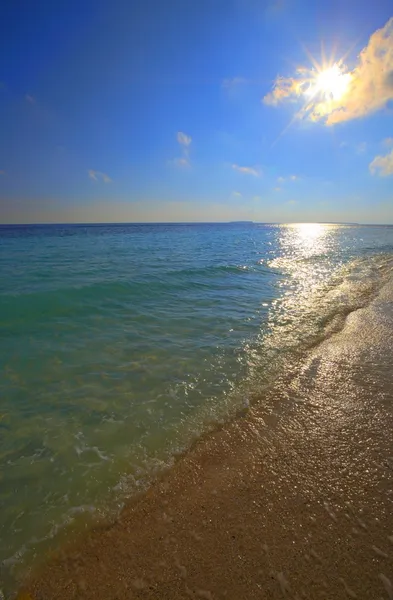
{"type": "Point", "coordinates": [306, 239]}
{"type": "Point", "coordinates": [300, 243]}
{"type": "Point", "coordinates": [306, 262]}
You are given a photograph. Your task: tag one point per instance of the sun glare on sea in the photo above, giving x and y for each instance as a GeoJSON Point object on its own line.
{"type": "Point", "coordinates": [309, 230]}
{"type": "Point", "coordinates": [330, 82]}
{"type": "Point", "coordinates": [308, 238]}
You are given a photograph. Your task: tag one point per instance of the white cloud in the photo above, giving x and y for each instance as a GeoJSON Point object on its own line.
{"type": "Point", "coordinates": [184, 139]}
{"type": "Point", "coordinates": [99, 176]}
{"type": "Point", "coordinates": [388, 142]}
{"type": "Point", "coordinates": [281, 180]}
{"type": "Point", "coordinates": [382, 165]}
{"type": "Point", "coordinates": [367, 88]}
{"type": "Point", "coordinates": [246, 170]}
{"type": "Point", "coordinates": [236, 194]}
{"type": "Point", "coordinates": [185, 142]}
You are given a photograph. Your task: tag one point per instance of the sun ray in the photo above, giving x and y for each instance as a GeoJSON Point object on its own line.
{"type": "Point", "coordinates": [323, 55]}
{"type": "Point", "coordinates": [323, 83]}
{"type": "Point", "coordinates": [311, 58]}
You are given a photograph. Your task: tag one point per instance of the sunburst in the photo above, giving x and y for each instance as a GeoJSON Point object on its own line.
{"type": "Point", "coordinates": [329, 83]}
{"type": "Point", "coordinates": [321, 86]}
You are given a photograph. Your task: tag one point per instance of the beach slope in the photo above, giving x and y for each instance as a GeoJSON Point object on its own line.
{"type": "Point", "coordinates": [292, 500]}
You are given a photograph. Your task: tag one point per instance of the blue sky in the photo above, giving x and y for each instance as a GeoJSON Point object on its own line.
{"type": "Point", "coordinates": [196, 111]}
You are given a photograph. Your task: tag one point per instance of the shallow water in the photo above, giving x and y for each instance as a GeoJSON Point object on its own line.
{"type": "Point", "coordinates": [122, 344]}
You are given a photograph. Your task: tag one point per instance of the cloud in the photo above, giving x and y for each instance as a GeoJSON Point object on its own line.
{"type": "Point", "coordinates": [183, 139]}
{"type": "Point", "coordinates": [246, 170]}
{"type": "Point", "coordinates": [236, 195]}
{"type": "Point", "coordinates": [2, 172]}
{"type": "Point", "coordinates": [388, 142]}
{"type": "Point", "coordinates": [99, 176]}
{"type": "Point", "coordinates": [185, 142]}
{"type": "Point", "coordinates": [358, 148]}
{"type": "Point", "coordinates": [287, 88]}
{"type": "Point", "coordinates": [288, 178]}
{"type": "Point", "coordinates": [355, 94]}
{"type": "Point", "coordinates": [361, 148]}
{"type": "Point", "coordinates": [277, 189]}
{"type": "Point", "coordinates": [182, 162]}
{"type": "Point", "coordinates": [30, 99]}
{"type": "Point", "coordinates": [382, 165]}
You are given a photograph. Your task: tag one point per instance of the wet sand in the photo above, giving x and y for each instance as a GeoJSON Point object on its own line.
{"type": "Point", "coordinates": [292, 500]}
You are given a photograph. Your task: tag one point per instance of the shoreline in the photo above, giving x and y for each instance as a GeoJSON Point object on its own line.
{"type": "Point", "coordinates": [300, 508]}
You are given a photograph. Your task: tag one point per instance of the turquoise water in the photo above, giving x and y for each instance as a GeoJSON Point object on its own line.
{"type": "Point", "coordinates": [122, 344]}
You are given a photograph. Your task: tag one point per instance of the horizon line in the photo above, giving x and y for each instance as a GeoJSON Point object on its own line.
{"type": "Point", "coordinates": [234, 222]}
{"type": "Point", "coordinates": [239, 222]}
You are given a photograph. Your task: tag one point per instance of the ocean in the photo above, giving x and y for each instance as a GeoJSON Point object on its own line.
{"type": "Point", "coordinates": [121, 345]}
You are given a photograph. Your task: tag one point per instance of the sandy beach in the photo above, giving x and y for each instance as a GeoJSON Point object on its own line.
{"type": "Point", "coordinates": [292, 500]}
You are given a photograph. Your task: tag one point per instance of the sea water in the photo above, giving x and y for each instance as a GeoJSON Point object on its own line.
{"type": "Point", "coordinates": [120, 345]}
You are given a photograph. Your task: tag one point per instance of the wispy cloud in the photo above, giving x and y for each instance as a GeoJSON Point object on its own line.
{"type": "Point", "coordinates": [246, 170]}
{"type": "Point", "coordinates": [348, 94]}
{"type": "Point", "coordinates": [181, 162]}
{"type": "Point", "coordinates": [361, 148]}
{"type": "Point", "coordinates": [236, 194]}
{"type": "Point", "coordinates": [388, 142]}
{"type": "Point", "coordinates": [2, 172]}
{"type": "Point", "coordinates": [288, 178]}
{"type": "Point", "coordinates": [30, 99]}
{"type": "Point", "coordinates": [184, 141]}
{"type": "Point", "coordinates": [382, 165]}
{"type": "Point", "coordinates": [99, 176]}
{"type": "Point", "coordinates": [287, 88]}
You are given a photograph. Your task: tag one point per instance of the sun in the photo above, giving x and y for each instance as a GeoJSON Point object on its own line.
{"type": "Point", "coordinates": [331, 83]}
